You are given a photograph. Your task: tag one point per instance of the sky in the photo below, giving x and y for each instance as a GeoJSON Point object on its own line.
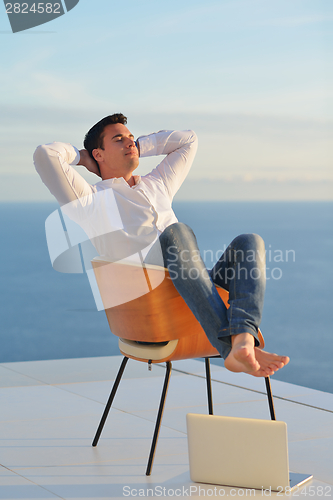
{"type": "Point", "coordinates": [253, 78]}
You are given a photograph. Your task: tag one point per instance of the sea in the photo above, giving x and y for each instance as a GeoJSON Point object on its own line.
{"type": "Point", "coordinates": [50, 315]}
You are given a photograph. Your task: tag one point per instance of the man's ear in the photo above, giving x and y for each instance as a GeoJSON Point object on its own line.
{"type": "Point", "coordinates": [97, 155]}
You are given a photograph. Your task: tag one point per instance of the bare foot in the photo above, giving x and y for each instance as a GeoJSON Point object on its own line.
{"type": "Point", "coordinates": [245, 357]}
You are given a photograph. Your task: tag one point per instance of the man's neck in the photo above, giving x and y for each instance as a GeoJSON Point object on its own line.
{"type": "Point", "coordinates": [131, 181]}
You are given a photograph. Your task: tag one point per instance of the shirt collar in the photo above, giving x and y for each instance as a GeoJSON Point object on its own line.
{"type": "Point", "coordinates": [121, 180]}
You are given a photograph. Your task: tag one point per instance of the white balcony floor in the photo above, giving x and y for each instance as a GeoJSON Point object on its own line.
{"type": "Point", "coordinates": [50, 411]}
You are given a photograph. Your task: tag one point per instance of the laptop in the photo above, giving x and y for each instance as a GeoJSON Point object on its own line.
{"type": "Point", "coordinates": [240, 452]}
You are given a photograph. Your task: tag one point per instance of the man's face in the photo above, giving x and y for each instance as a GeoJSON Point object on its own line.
{"type": "Point", "coordinates": [119, 156]}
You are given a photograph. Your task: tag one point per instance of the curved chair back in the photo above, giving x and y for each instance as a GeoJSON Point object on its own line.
{"type": "Point", "coordinates": [159, 314]}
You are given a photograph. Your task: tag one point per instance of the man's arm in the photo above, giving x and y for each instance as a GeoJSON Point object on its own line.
{"type": "Point", "coordinates": [180, 148]}
{"type": "Point", "coordinates": [53, 163]}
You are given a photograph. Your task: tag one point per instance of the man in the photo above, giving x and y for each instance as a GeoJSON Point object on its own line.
{"type": "Point", "coordinates": [142, 206]}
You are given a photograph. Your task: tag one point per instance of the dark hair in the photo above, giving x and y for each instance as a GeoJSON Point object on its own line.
{"type": "Point", "coordinates": [95, 136]}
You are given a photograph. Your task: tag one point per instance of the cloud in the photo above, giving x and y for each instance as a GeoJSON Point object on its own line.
{"type": "Point", "coordinates": [235, 16]}
{"type": "Point", "coordinates": [46, 88]}
{"type": "Point", "coordinates": [293, 21]}
{"type": "Point", "coordinates": [255, 190]}
{"type": "Point", "coordinates": [29, 188]}
{"type": "Point", "coordinates": [268, 156]}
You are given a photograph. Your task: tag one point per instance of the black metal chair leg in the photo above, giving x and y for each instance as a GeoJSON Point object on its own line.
{"type": "Point", "coordinates": [159, 418]}
{"type": "Point", "coordinates": [109, 403]}
{"type": "Point", "coordinates": [270, 398]}
{"type": "Point", "coordinates": [209, 386]}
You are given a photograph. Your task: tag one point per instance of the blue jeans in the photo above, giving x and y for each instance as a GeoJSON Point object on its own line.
{"type": "Point", "coordinates": [240, 270]}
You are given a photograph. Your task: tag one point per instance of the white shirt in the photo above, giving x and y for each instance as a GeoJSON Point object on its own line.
{"type": "Point", "coordinates": [112, 213]}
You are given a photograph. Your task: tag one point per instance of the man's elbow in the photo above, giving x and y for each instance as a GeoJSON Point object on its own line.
{"type": "Point", "coordinates": [40, 155]}
{"type": "Point", "coordinates": [193, 139]}
{"type": "Point", "coordinates": [43, 154]}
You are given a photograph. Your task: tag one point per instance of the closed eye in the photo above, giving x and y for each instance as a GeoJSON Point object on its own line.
{"type": "Point", "coordinates": [120, 137]}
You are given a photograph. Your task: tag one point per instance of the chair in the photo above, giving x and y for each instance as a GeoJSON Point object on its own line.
{"type": "Point", "coordinates": [154, 327]}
